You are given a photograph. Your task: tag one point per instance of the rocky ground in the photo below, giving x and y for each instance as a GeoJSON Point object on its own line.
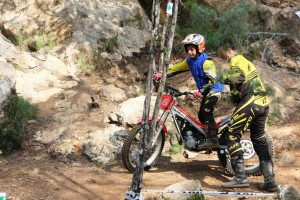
{"type": "Point", "coordinates": [36, 174]}
{"type": "Point", "coordinates": [33, 175]}
{"type": "Point", "coordinates": [67, 122]}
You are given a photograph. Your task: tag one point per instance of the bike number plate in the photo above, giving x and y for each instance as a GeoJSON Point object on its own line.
{"type": "Point", "coordinates": [166, 100]}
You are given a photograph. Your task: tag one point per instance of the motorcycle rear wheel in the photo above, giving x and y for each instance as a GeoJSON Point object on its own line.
{"type": "Point", "coordinates": [251, 160]}
{"type": "Point", "coordinates": [130, 150]}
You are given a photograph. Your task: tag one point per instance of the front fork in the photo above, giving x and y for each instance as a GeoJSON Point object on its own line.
{"type": "Point", "coordinates": [160, 125]}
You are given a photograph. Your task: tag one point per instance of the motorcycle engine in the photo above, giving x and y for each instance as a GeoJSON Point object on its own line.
{"type": "Point", "coordinates": [192, 139]}
{"type": "Point", "coordinates": [190, 142]}
{"type": "Point", "coordinates": [190, 135]}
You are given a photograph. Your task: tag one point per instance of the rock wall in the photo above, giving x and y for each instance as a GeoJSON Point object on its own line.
{"type": "Point", "coordinates": [79, 27]}
{"type": "Point", "coordinates": [50, 77]}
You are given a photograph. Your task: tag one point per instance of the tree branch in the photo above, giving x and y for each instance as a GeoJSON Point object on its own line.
{"type": "Point", "coordinates": [268, 33]}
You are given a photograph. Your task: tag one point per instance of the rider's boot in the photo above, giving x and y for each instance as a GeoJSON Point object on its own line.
{"type": "Point", "coordinates": [269, 185]}
{"type": "Point", "coordinates": [240, 180]}
{"type": "Point", "coordinates": [212, 139]}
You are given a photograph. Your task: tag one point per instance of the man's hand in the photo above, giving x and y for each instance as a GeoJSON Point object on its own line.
{"type": "Point", "coordinates": [197, 95]}
{"type": "Point", "coordinates": [157, 76]}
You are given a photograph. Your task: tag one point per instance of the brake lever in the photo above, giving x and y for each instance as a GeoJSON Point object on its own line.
{"type": "Point", "coordinates": [188, 95]}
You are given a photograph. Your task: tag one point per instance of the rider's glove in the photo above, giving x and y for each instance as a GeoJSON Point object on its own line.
{"type": "Point", "coordinates": [210, 75]}
{"type": "Point", "coordinates": [157, 76]}
{"type": "Point", "coordinates": [197, 94]}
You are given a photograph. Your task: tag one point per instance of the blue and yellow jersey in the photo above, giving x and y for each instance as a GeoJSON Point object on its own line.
{"type": "Point", "coordinates": [203, 71]}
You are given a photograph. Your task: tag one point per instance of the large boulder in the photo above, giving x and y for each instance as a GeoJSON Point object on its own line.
{"type": "Point", "coordinates": [188, 185]}
{"type": "Point", "coordinates": [129, 111]}
{"type": "Point", "coordinates": [98, 146]}
{"type": "Point", "coordinates": [7, 80]}
{"type": "Point", "coordinates": [7, 73]}
{"type": "Point", "coordinates": [277, 18]}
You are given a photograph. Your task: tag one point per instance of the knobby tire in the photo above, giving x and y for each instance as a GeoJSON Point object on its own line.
{"type": "Point", "coordinates": [253, 170]}
{"type": "Point", "coordinates": [130, 150]}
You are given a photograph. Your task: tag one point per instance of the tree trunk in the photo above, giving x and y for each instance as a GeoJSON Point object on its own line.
{"type": "Point", "coordinates": [136, 186]}
{"type": "Point", "coordinates": [165, 62]}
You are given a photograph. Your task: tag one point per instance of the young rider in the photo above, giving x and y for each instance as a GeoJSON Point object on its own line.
{"type": "Point", "coordinates": [205, 75]}
{"type": "Point", "coordinates": [252, 108]}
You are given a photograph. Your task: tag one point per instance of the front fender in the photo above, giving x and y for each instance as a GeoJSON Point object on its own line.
{"type": "Point", "coordinates": [159, 120]}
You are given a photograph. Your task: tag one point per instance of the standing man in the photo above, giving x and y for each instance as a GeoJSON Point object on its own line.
{"type": "Point", "coordinates": [205, 75]}
{"type": "Point", "coordinates": [252, 108]}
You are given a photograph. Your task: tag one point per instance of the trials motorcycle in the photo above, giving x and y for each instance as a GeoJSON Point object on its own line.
{"type": "Point", "coordinates": [190, 133]}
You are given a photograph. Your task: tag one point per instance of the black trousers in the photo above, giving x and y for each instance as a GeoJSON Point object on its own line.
{"type": "Point", "coordinates": [208, 103]}
{"type": "Point", "coordinates": [252, 115]}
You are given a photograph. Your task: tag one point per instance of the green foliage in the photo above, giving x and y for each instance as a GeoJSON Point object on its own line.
{"type": "Point", "coordinates": [269, 90]}
{"type": "Point", "coordinates": [204, 20]}
{"type": "Point", "coordinates": [41, 41]}
{"type": "Point", "coordinates": [101, 64]}
{"type": "Point", "coordinates": [176, 148]}
{"type": "Point", "coordinates": [276, 115]}
{"type": "Point", "coordinates": [234, 24]}
{"type": "Point", "coordinates": [44, 41]}
{"type": "Point", "coordinates": [217, 25]}
{"type": "Point", "coordinates": [23, 41]}
{"type": "Point", "coordinates": [105, 45]}
{"type": "Point", "coordinates": [163, 49]}
{"type": "Point", "coordinates": [196, 197]}
{"type": "Point", "coordinates": [14, 120]}
{"type": "Point", "coordinates": [85, 64]}
{"type": "Point", "coordinates": [137, 17]}
{"type": "Point", "coordinates": [108, 45]}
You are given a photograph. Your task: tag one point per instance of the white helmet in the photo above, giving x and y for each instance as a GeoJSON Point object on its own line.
{"type": "Point", "coordinates": [195, 39]}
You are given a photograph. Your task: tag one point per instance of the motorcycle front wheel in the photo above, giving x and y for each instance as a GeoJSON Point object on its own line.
{"type": "Point", "coordinates": [130, 150]}
{"type": "Point", "coordinates": [251, 160]}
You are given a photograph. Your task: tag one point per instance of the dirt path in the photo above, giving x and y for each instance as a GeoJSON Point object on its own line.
{"type": "Point", "coordinates": [35, 176]}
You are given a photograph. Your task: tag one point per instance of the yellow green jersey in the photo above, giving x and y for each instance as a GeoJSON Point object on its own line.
{"type": "Point", "coordinates": [244, 80]}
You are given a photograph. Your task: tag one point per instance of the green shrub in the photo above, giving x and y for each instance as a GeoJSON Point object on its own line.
{"type": "Point", "coordinates": [105, 45]}
{"type": "Point", "coordinates": [101, 64]}
{"type": "Point", "coordinates": [276, 115]}
{"type": "Point", "coordinates": [176, 148]}
{"type": "Point", "coordinates": [14, 120]}
{"type": "Point", "coordinates": [44, 41]}
{"type": "Point", "coordinates": [234, 24]}
{"type": "Point", "coordinates": [196, 197]}
{"type": "Point", "coordinates": [217, 25]}
{"type": "Point", "coordinates": [41, 41]}
{"type": "Point", "coordinates": [108, 45]}
{"type": "Point", "coordinates": [23, 41]}
{"type": "Point", "coordinates": [85, 64]}
{"type": "Point", "coordinates": [207, 24]}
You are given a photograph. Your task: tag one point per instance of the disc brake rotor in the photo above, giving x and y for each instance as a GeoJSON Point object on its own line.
{"type": "Point", "coordinates": [248, 149]}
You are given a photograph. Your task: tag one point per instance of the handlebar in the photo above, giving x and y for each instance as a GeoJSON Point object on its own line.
{"type": "Point", "coordinates": [172, 91]}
